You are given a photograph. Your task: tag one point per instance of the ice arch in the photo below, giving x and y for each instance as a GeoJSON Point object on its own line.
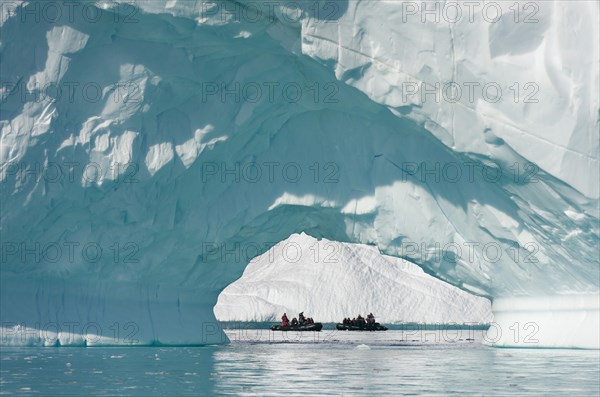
{"type": "Point", "coordinates": [141, 253]}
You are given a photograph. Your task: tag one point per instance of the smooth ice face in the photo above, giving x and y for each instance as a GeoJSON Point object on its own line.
{"type": "Point", "coordinates": [329, 281]}
{"type": "Point", "coordinates": [149, 154]}
{"type": "Point", "coordinates": [523, 76]}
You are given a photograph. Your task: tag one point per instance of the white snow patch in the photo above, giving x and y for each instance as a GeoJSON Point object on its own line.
{"type": "Point", "coordinates": [158, 156]}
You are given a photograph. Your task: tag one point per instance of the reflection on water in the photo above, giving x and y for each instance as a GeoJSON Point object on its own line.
{"type": "Point", "coordinates": [398, 363]}
{"type": "Point", "coordinates": [326, 363]}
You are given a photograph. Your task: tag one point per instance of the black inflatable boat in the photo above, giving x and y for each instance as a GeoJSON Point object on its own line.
{"type": "Point", "coordinates": [365, 327]}
{"type": "Point", "coordinates": [305, 327]}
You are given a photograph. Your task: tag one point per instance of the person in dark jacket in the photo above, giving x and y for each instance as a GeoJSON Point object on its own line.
{"type": "Point", "coordinates": [301, 318]}
{"type": "Point", "coordinates": [371, 319]}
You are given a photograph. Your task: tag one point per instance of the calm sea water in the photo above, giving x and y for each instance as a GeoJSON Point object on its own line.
{"type": "Point", "coordinates": [263, 363]}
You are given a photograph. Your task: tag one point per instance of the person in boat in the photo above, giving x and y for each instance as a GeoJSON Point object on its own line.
{"type": "Point", "coordinates": [294, 321]}
{"type": "Point", "coordinates": [353, 322]}
{"type": "Point", "coordinates": [310, 320]}
{"type": "Point", "coordinates": [301, 318]}
{"type": "Point", "coordinates": [371, 319]}
{"type": "Point", "coordinates": [284, 320]}
{"type": "Point", "coordinates": [360, 320]}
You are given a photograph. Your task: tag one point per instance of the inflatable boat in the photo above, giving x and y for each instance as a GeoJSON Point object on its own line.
{"type": "Point", "coordinates": [305, 327]}
{"type": "Point", "coordinates": [365, 327]}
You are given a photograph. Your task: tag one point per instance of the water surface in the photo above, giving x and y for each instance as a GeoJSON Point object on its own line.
{"type": "Point", "coordinates": [264, 363]}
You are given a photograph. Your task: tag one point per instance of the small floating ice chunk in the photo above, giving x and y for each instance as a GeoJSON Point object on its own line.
{"type": "Point", "coordinates": [362, 347]}
{"type": "Point", "coordinates": [243, 34]}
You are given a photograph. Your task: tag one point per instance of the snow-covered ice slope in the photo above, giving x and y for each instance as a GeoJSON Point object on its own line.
{"type": "Point", "coordinates": [148, 153]}
{"type": "Point", "coordinates": [329, 281]}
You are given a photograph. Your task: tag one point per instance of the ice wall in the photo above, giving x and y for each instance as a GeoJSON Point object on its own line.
{"type": "Point", "coordinates": [142, 167]}
{"type": "Point", "coordinates": [525, 71]}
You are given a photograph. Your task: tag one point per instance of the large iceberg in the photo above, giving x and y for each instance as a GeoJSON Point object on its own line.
{"type": "Point", "coordinates": [149, 150]}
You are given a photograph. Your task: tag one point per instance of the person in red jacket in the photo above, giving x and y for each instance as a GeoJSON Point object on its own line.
{"type": "Point", "coordinates": [285, 322]}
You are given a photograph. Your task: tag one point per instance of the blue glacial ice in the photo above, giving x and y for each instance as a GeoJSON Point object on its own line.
{"type": "Point", "coordinates": [495, 195]}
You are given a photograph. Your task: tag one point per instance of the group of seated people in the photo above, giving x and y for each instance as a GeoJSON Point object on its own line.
{"type": "Point", "coordinates": [360, 321]}
{"type": "Point", "coordinates": [301, 320]}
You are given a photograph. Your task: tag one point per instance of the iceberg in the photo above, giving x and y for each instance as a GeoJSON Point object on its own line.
{"type": "Point", "coordinates": [150, 150]}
